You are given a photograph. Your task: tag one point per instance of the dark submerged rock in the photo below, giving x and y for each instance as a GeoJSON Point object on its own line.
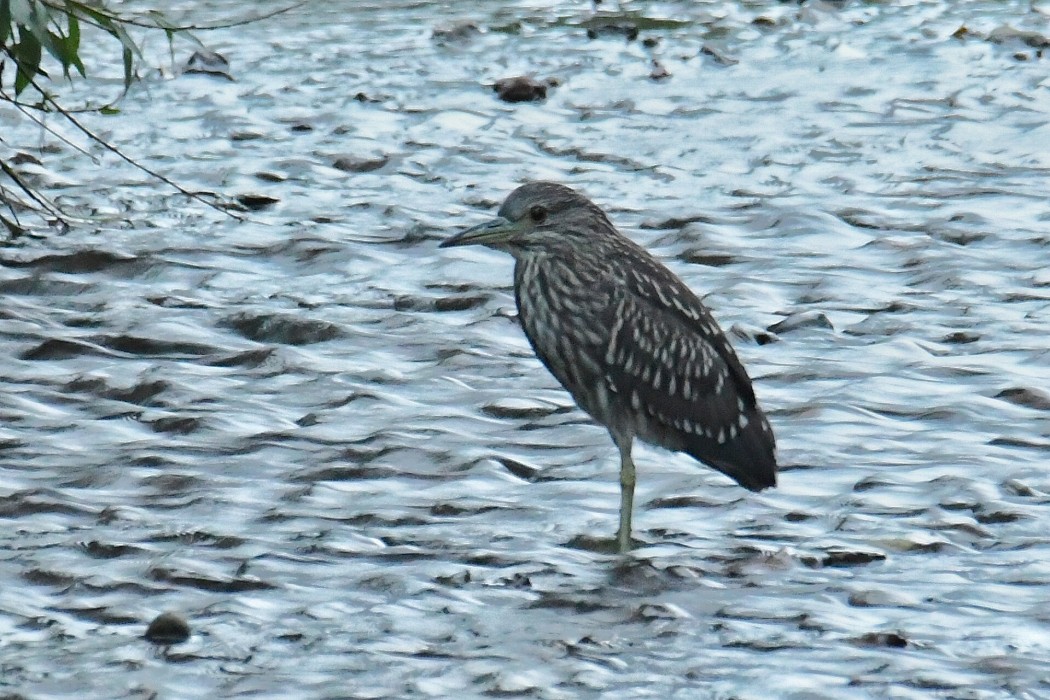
{"type": "Point", "coordinates": [804, 319]}
{"type": "Point", "coordinates": [359, 164]}
{"type": "Point", "coordinates": [459, 32]}
{"type": "Point", "coordinates": [892, 640]}
{"type": "Point", "coordinates": [167, 628]}
{"type": "Point", "coordinates": [521, 88]}
{"type": "Point", "coordinates": [627, 31]}
{"type": "Point", "coordinates": [256, 201]}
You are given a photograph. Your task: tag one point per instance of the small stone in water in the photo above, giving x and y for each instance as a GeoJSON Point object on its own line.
{"type": "Point", "coordinates": [357, 164]}
{"type": "Point", "coordinates": [22, 157]}
{"type": "Point", "coordinates": [246, 136]}
{"type": "Point", "coordinates": [843, 558]}
{"type": "Point", "coordinates": [520, 88]}
{"type": "Point", "coordinates": [803, 319]}
{"type": "Point", "coordinates": [167, 628]}
{"type": "Point", "coordinates": [462, 31]}
{"type": "Point", "coordinates": [627, 31]}
{"type": "Point", "coordinates": [1022, 396]}
{"type": "Point", "coordinates": [256, 201]}
{"type": "Point", "coordinates": [719, 57]}
{"type": "Point", "coordinates": [208, 63]}
{"type": "Point", "coordinates": [658, 71]}
{"type": "Point", "coordinates": [882, 639]}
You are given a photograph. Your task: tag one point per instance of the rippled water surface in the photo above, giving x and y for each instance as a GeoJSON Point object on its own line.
{"type": "Point", "coordinates": [326, 445]}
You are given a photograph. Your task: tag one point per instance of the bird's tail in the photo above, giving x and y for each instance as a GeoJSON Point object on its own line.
{"type": "Point", "coordinates": [749, 459]}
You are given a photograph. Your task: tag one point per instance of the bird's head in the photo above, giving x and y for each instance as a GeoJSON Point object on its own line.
{"type": "Point", "coordinates": [537, 214]}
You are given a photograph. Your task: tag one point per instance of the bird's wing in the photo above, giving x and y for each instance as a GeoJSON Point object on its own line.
{"type": "Point", "coordinates": [670, 363]}
{"type": "Point", "coordinates": [660, 289]}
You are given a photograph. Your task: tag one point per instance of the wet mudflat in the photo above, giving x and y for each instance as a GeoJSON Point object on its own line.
{"type": "Point", "coordinates": [326, 446]}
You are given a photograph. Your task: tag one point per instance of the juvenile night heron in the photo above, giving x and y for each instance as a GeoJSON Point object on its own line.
{"type": "Point", "coordinates": [634, 346]}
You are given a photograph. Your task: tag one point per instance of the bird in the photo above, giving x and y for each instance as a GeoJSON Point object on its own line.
{"type": "Point", "coordinates": [627, 338]}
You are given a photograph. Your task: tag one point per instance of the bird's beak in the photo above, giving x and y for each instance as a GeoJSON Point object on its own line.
{"type": "Point", "coordinates": [490, 233]}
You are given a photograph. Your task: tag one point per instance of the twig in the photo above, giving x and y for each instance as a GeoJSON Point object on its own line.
{"type": "Point", "coordinates": [128, 159]}
{"type": "Point", "coordinates": [43, 125]}
{"type": "Point", "coordinates": [133, 22]}
{"type": "Point", "coordinates": [41, 200]}
{"type": "Point", "coordinates": [99, 16]}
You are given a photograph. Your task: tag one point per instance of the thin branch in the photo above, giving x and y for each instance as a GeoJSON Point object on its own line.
{"type": "Point", "coordinates": [9, 199]}
{"type": "Point", "coordinates": [24, 109]}
{"type": "Point", "coordinates": [128, 159]}
{"type": "Point", "coordinates": [6, 51]}
{"type": "Point", "coordinates": [13, 227]}
{"type": "Point", "coordinates": [111, 23]}
{"type": "Point", "coordinates": [134, 22]}
{"type": "Point", "coordinates": [53, 209]}
{"type": "Point", "coordinates": [41, 200]}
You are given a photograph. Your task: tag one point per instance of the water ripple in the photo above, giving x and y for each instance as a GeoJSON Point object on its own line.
{"type": "Point", "coordinates": [326, 445]}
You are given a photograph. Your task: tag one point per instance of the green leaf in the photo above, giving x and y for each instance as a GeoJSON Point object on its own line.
{"type": "Point", "coordinates": [88, 11]}
{"type": "Point", "coordinates": [39, 17]}
{"type": "Point", "coordinates": [27, 53]}
{"type": "Point", "coordinates": [5, 21]}
{"type": "Point", "coordinates": [73, 42]}
{"type": "Point", "coordinates": [104, 20]}
{"type": "Point", "coordinates": [56, 46]}
{"type": "Point", "coordinates": [128, 62]}
{"type": "Point", "coordinates": [109, 109]}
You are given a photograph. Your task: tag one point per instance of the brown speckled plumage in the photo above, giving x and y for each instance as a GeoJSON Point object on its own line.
{"type": "Point", "coordinates": [628, 339]}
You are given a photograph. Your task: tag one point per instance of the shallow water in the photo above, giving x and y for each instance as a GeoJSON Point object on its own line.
{"type": "Point", "coordinates": [326, 445]}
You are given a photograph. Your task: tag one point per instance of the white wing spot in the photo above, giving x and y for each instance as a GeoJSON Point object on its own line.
{"type": "Point", "coordinates": [689, 313]}
{"type": "Point", "coordinates": [663, 300]}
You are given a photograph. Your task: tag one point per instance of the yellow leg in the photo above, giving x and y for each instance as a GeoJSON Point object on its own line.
{"type": "Point", "coordinates": [623, 535]}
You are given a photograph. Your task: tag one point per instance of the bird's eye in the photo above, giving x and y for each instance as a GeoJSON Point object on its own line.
{"type": "Point", "coordinates": [538, 214]}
